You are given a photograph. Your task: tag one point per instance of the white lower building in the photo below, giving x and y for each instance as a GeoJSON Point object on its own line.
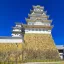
{"type": "Point", "coordinates": [11, 40]}
{"type": "Point", "coordinates": [61, 50]}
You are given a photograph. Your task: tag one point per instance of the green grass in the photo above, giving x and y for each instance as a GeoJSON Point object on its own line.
{"type": "Point", "coordinates": [61, 62]}
{"type": "Point", "coordinates": [10, 62]}
{"type": "Point", "coordinates": [36, 60]}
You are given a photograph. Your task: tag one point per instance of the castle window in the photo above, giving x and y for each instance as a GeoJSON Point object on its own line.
{"type": "Point", "coordinates": [44, 18]}
{"type": "Point", "coordinates": [32, 29]}
{"type": "Point", "coordinates": [18, 25]}
{"type": "Point", "coordinates": [39, 29]}
{"type": "Point", "coordinates": [41, 10]}
{"type": "Point", "coordinates": [38, 9]}
{"type": "Point", "coordinates": [36, 29]}
{"type": "Point", "coordinates": [29, 29]}
{"type": "Point", "coordinates": [30, 23]}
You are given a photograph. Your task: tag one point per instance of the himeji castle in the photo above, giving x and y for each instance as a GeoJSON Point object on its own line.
{"type": "Point", "coordinates": [36, 35]}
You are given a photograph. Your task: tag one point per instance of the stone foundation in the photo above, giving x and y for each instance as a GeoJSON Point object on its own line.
{"type": "Point", "coordinates": [40, 46]}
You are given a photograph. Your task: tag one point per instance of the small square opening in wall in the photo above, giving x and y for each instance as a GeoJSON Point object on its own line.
{"type": "Point", "coordinates": [30, 23]}
{"type": "Point", "coordinates": [29, 29]}
{"type": "Point", "coordinates": [36, 29]}
{"type": "Point", "coordinates": [32, 29]}
{"type": "Point", "coordinates": [39, 29]}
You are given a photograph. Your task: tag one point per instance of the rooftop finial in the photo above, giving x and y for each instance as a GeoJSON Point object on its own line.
{"type": "Point", "coordinates": [38, 6]}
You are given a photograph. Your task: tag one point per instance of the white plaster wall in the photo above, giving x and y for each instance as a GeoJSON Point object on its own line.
{"type": "Point", "coordinates": [41, 23]}
{"type": "Point", "coordinates": [16, 35]}
{"type": "Point", "coordinates": [43, 32]}
{"type": "Point", "coordinates": [18, 30]}
{"type": "Point", "coordinates": [11, 40]}
{"type": "Point", "coordinates": [30, 23]}
{"type": "Point", "coordinates": [18, 25]}
{"type": "Point", "coordinates": [38, 23]}
{"type": "Point", "coordinates": [61, 55]}
{"type": "Point", "coordinates": [36, 9]}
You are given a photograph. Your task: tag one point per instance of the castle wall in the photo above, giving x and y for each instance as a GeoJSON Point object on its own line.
{"type": "Point", "coordinates": [38, 31]}
{"type": "Point", "coordinates": [11, 40]}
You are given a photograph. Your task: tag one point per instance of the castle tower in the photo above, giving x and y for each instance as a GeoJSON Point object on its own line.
{"type": "Point", "coordinates": [39, 44]}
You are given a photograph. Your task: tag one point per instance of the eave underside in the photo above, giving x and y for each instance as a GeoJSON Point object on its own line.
{"type": "Point", "coordinates": [38, 26]}
{"type": "Point", "coordinates": [29, 20]}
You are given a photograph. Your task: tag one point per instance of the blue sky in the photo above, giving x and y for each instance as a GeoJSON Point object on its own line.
{"type": "Point", "coordinates": [12, 11]}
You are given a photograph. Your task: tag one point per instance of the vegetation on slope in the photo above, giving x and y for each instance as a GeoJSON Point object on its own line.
{"type": "Point", "coordinates": [10, 52]}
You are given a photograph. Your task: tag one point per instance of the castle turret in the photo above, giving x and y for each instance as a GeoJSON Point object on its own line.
{"type": "Point", "coordinates": [17, 30]}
